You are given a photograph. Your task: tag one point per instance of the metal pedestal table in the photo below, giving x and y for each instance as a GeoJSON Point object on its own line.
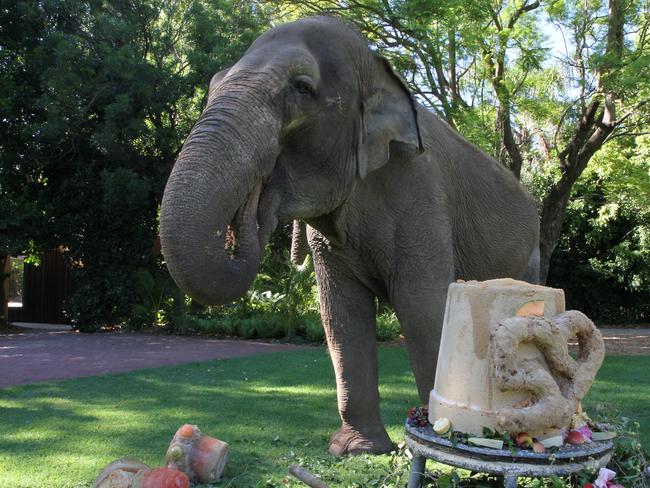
{"type": "Point", "coordinates": [426, 444]}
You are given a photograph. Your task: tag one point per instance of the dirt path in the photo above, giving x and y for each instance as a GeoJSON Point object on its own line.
{"type": "Point", "coordinates": [629, 342]}
{"type": "Point", "coordinates": [40, 355]}
{"type": "Point", "coordinates": [37, 355]}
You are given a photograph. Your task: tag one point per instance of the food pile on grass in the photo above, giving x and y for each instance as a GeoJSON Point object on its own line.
{"type": "Point", "coordinates": [192, 457]}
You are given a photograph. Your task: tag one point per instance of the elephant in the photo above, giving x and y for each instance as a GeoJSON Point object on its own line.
{"type": "Point", "coordinates": [311, 124]}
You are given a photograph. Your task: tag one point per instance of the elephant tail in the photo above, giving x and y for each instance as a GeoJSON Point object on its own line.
{"type": "Point", "coordinates": [299, 245]}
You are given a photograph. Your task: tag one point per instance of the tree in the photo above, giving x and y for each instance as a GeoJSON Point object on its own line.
{"type": "Point", "coordinates": [484, 67]}
{"type": "Point", "coordinates": [602, 260]}
{"type": "Point", "coordinates": [97, 97]}
{"type": "Point", "coordinates": [609, 103]}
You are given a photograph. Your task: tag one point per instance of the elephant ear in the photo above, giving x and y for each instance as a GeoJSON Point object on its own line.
{"type": "Point", "coordinates": [389, 120]}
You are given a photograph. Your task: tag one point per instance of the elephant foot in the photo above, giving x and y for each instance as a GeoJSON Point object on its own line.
{"type": "Point", "coordinates": [349, 440]}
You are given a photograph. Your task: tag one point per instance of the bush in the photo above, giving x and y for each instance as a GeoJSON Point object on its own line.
{"type": "Point", "coordinates": [281, 304]}
{"type": "Point", "coordinates": [266, 326]}
{"type": "Point", "coordinates": [258, 323]}
{"type": "Point", "coordinates": [603, 258]}
{"type": "Point", "coordinates": [255, 326]}
{"type": "Point", "coordinates": [313, 328]}
{"type": "Point", "coordinates": [153, 301]}
{"type": "Point", "coordinates": [112, 250]}
{"type": "Point", "coordinates": [226, 326]}
{"type": "Point", "coordinates": [388, 328]}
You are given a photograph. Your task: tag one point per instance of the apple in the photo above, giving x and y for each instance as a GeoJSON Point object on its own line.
{"type": "Point", "coordinates": [524, 440]}
{"type": "Point", "coordinates": [576, 437]}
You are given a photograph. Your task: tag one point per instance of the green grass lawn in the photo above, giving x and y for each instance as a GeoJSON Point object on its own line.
{"type": "Point", "coordinates": [273, 410]}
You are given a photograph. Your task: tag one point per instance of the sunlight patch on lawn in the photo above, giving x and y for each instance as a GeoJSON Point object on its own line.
{"type": "Point", "coordinates": [63, 433]}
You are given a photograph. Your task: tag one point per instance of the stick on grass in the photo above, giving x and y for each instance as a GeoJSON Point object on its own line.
{"type": "Point", "coordinates": [306, 477]}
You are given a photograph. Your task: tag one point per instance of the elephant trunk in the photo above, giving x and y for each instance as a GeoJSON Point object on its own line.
{"type": "Point", "coordinates": [212, 228]}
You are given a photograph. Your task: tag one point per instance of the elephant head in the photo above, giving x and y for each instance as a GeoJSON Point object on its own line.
{"type": "Point", "coordinates": [287, 132]}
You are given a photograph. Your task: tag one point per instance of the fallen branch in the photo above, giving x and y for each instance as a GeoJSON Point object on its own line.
{"type": "Point", "coordinates": [306, 477]}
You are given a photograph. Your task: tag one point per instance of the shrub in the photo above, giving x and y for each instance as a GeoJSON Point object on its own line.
{"type": "Point", "coordinates": [112, 250]}
{"type": "Point", "coordinates": [153, 298]}
{"type": "Point", "coordinates": [603, 257]}
{"type": "Point", "coordinates": [224, 326]}
{"type": "Point", "coordinates": [313, 328]}
{"type": "Point", "coordinates": [388, 328]}
{"type": "Point", "coordinates": [263, 326]}
{"type": "Point", "coordinates": [256, 324]}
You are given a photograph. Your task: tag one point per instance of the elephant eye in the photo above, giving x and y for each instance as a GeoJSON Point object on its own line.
{"type": "Point", "coordinates": [304, 84]}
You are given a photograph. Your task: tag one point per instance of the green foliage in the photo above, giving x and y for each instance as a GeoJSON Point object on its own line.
{"type": "Point", "coordinates": [266, 325]}
{"type": "Point", "coordinates": [96, 99]}
{"type": "Point", "coordinates": [629, 459]}
{"type": "Point", "coordinates": [282, 302]}
{"type": "Point", "coordinates": [388, 328]}
{"type": "Point", "coordinates": [258, 322]}
{"type": "Point", "coordinates": [118, 237]}
{"type": "Point", "coordinates": [154, 301]}
{"type": "Point", "coordinates": [284, 288]}
{"type": "Point", "coordinates": [603, 258]}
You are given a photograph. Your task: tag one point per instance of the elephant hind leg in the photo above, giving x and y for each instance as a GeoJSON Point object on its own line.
{"type": "Point", "coordinates": [419, 295]}
{"type": "Point", "coordinates": [420, 313]}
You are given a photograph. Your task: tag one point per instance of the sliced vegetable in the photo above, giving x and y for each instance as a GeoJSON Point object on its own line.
{"type": "Point", "coordinates": [533, 308]}
{"type": "Point", "coordinates": [483, 442]}
{"type": "Point", "coordinates": [603, 436]}
{"type": "Point", "coordinates": [555, 441]}
{"type": "Point", "coordinates": [175, 453]}
{"type": "Point", "coordinates": [524, 440]}
{"type": "Point", "coordinates": [576, 437]}
{"type": "Point", "coordinates": [442, 426]}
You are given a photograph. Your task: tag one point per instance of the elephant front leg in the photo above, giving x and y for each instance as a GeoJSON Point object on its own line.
{"type": "Point", "coordinates": [348, 312]}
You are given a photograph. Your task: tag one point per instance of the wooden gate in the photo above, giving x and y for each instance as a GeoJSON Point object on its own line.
{"type": "Point", "coordinates": [45, 288]}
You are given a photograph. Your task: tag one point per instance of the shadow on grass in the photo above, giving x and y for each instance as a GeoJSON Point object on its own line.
{"type": "Point", "coordinates": [267, 407]}
{"type": "Point", "coordinates": [273, 410]}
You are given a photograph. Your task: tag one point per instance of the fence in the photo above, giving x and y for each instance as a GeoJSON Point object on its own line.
{"type": "Point", "coordinates": [44, 290]}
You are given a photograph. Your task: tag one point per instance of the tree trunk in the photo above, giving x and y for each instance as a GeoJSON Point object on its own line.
{"type": "Point", "coordinates": [591, 133]}
{"type": "Point", "coordinates": [575, 160]}
{"type": "Point", "coordinates": [553, 209]}
{"type": "Point", "coordinates": [496, 60]}
{"type": "Point", "coordinates": [514, 160]}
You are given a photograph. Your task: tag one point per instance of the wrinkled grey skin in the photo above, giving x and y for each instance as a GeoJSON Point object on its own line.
{"type": "Point", "coordinates": [311, 125]}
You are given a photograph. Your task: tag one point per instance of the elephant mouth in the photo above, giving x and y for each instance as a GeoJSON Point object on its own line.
{"type": "Point", "coordinates": [254, 220]}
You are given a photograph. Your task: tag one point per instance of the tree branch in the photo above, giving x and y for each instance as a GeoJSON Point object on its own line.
{"type": "Point", "coordinates": [520, 11]}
